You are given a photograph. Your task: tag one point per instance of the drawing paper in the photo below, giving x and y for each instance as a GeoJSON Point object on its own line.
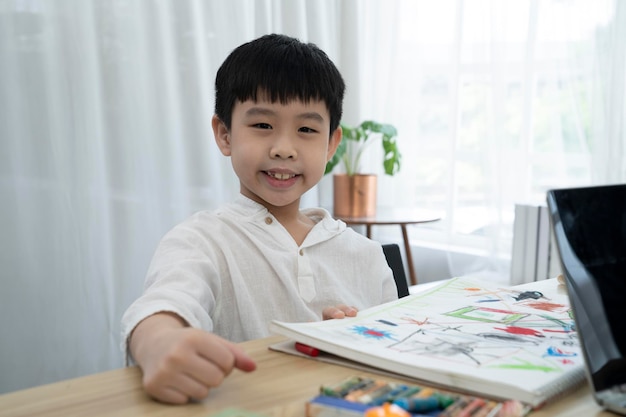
{"type": "Point", "coordinates": [504, 342]}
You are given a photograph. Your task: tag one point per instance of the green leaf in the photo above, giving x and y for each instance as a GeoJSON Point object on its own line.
{"type": "Point", "coordinates": [361, 136]}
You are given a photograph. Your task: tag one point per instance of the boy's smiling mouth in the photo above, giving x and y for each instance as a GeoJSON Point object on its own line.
{"type": "Point", "coordinates": [280, 175]}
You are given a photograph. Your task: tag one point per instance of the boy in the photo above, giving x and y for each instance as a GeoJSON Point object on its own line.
{"type": "Point", "coordinates": [221, 277]}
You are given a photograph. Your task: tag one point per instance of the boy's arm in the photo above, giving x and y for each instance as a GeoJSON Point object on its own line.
{"type": "Point", "coordinates": [180, 363]}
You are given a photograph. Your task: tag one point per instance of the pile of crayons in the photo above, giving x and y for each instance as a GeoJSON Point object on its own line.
{"type": "Point", "coordinates": [419, 401]}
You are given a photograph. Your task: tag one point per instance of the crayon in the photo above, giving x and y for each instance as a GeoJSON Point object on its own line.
{"type": "Point", "coordinates": [341, 389]}
{"type": "Point", "coordinates": [373, 397]}
{"type": "Point", "coordinates": [367, 388]}
{"type": "Point", "coordinates": [423, 401]}
{"type": "Point", "coordinates": [386, 409]}
{"type": "Point", "coordinates": [474, 406]}
{"type": "Point", "coordinates": [409, 392]}
{"type": "Point", "coordinates": [445, 400]}
{"type": "Point", "coordinates": [425, 393]}
{"type": "Point", "coordinates": [495, 411]}
{"type": "Point", "coordinates": [456, 407]}
{"type": "Point", "coordinates": [486, 410]}
{"type": "Point", "coordinates": [512, 408]}
{"type": "Point", "coordinates": [397, 392]}
{"type": "Point", "coordinates": [306, 349]}
{"type": "Point", "coordinates": [418, 404]}
{"type": "Point", "coordinates": [364, 383]}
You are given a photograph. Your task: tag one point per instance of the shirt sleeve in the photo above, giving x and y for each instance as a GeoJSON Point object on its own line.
{"type": "Point", "coordinates": [178, 281]}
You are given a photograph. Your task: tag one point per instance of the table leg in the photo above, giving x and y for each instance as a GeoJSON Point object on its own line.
{"type": "Point", "coordinates": [409, 258]}
{"type": "Point", "coordinates": [368, 232]}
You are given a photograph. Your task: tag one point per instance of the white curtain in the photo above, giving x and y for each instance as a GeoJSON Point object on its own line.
{"type": "Point", "coordinates": [105, 139]}
{"type": "Point", "coordinates": [106, 143]}
{"type": "Point", "coordinates": [495, 102]}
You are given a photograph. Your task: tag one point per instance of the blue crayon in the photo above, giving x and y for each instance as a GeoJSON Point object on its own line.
{"type": "Point", "coordinates": [417, 404]}
{"type": "Point", "coordinates": [409, 392]}
{"type": "Point", "coordinates": [392, 395]}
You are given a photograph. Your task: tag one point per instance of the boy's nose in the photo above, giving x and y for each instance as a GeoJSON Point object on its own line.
{"type": "Point", "coordinates": [283, 148]}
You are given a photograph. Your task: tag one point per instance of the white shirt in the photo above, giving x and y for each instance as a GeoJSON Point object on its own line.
{"type": "Point", "coordinates": [234, 270]}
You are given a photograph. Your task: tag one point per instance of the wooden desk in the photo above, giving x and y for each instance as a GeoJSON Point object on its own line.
{"type": "Point", "coordinates": [279, 387]}
{"type": "Point", "coordinates": [392, 216]}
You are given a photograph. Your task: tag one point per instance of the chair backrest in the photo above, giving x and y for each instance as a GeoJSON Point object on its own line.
{"type": "Point", "coordinates": [394, 259]}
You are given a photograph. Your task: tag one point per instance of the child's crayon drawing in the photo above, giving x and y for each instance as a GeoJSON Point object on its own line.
{"type": "Point", "coordinates": [499, 329]}
{"type": "Point", "coordinates": [518, 342]}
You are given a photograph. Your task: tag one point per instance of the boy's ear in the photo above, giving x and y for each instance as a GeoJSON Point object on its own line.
{"type": "Point", "coordinates": [221, 134]}
{"type": "Point", "coordinates": [335, 140]}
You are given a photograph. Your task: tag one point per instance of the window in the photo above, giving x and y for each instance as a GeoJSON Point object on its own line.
{"type": "Point", "coordinates": [493, 102]}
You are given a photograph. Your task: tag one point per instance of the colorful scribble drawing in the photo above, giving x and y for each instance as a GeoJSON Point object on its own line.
{"type": "Point", "coordinates": [371, 332]}
{"type": "Point", "coordinates": [554, 351]}
{"type": "Point", "coordinates": [492, 315]}
{"type": "Point", "coordinates": [519, 342]}
{"type": "Point", "coordinates": [546, 305]}
{"type": "Point", "coordinates": [516, 330]}
{"type": "Point", "coordinates": [521, 331]}
{"type": "Point", "coordinates": [524, 295]}
{"type": "Point", "coordinates": [462, 351]}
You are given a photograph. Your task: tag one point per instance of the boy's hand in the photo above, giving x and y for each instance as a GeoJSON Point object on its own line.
{"type": "Point", "coordinates": [339, 312]}
{"type": "Point", "coordinates": [181, 363]}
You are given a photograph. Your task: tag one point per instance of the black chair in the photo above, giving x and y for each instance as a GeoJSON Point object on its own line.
{"type": "Point", "coordinates": [394, 259]}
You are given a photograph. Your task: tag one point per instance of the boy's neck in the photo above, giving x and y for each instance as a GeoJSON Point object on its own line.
{"type": "Point", "coordinates": [297, 224]}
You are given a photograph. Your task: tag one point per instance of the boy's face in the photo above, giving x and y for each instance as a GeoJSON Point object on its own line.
{"type": "Point", "coordinates": [278, 151]}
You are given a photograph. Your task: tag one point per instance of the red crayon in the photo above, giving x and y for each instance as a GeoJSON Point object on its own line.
{"type": "Point", "coordinates": [473, 407]}
{"type": "Point", "coordinates": [306, 349]}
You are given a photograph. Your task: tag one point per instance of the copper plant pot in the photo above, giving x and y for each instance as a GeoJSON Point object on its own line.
{"type": "Point", "coordinates": [354, 195]}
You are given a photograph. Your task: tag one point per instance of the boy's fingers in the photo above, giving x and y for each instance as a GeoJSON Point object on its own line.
{"type": "Point", "coordinates": [332, 313]}
{"type": "Point", "coordinates": [223, 354]}
{"type": "Point", "coordinates": [243, 362]}
{"type": "Point", "coordinates": [339, 312]}
{"type": "Point", "coordinates": [351, 311]}
{"type": "Point", "coordinates": [347, 310]}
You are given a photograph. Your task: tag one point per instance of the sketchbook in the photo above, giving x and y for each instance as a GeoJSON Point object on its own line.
{"type": "Point", "coordinates": [466, 334]}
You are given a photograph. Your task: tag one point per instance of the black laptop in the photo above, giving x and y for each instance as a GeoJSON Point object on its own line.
{"type": "Point", "coordinates": [589, 227]}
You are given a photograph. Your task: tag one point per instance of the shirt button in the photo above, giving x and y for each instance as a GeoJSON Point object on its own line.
{"type": "Point", "coordinates": [268, 220]}
{"type": "Point", "coordinates": [301, 252]}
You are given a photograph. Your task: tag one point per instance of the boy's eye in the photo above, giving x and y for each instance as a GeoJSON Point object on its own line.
{"type": "Point", "coordinates": [262, 125]}
{"type": "Point", "coordinates": [307, 130]}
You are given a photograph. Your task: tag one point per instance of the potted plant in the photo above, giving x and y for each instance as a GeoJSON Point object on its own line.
{"type": "Point", "coordinates": [354, 192]}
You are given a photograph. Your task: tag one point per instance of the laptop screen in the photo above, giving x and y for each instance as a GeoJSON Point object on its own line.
{"type": "Point", "coordinates": [589, 227]}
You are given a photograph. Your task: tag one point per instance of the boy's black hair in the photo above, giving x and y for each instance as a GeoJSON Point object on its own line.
{"type": "Point", "coordinates": [284, 69]}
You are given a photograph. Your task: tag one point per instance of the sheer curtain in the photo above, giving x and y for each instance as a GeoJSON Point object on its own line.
{"type": "Point", "coordinates": [106, 143]}
{"type": "Point", "coordinates": [495, 102]}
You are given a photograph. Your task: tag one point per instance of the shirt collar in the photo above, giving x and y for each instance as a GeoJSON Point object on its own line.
{"type": "Point", "coordinates": [325, 225]}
